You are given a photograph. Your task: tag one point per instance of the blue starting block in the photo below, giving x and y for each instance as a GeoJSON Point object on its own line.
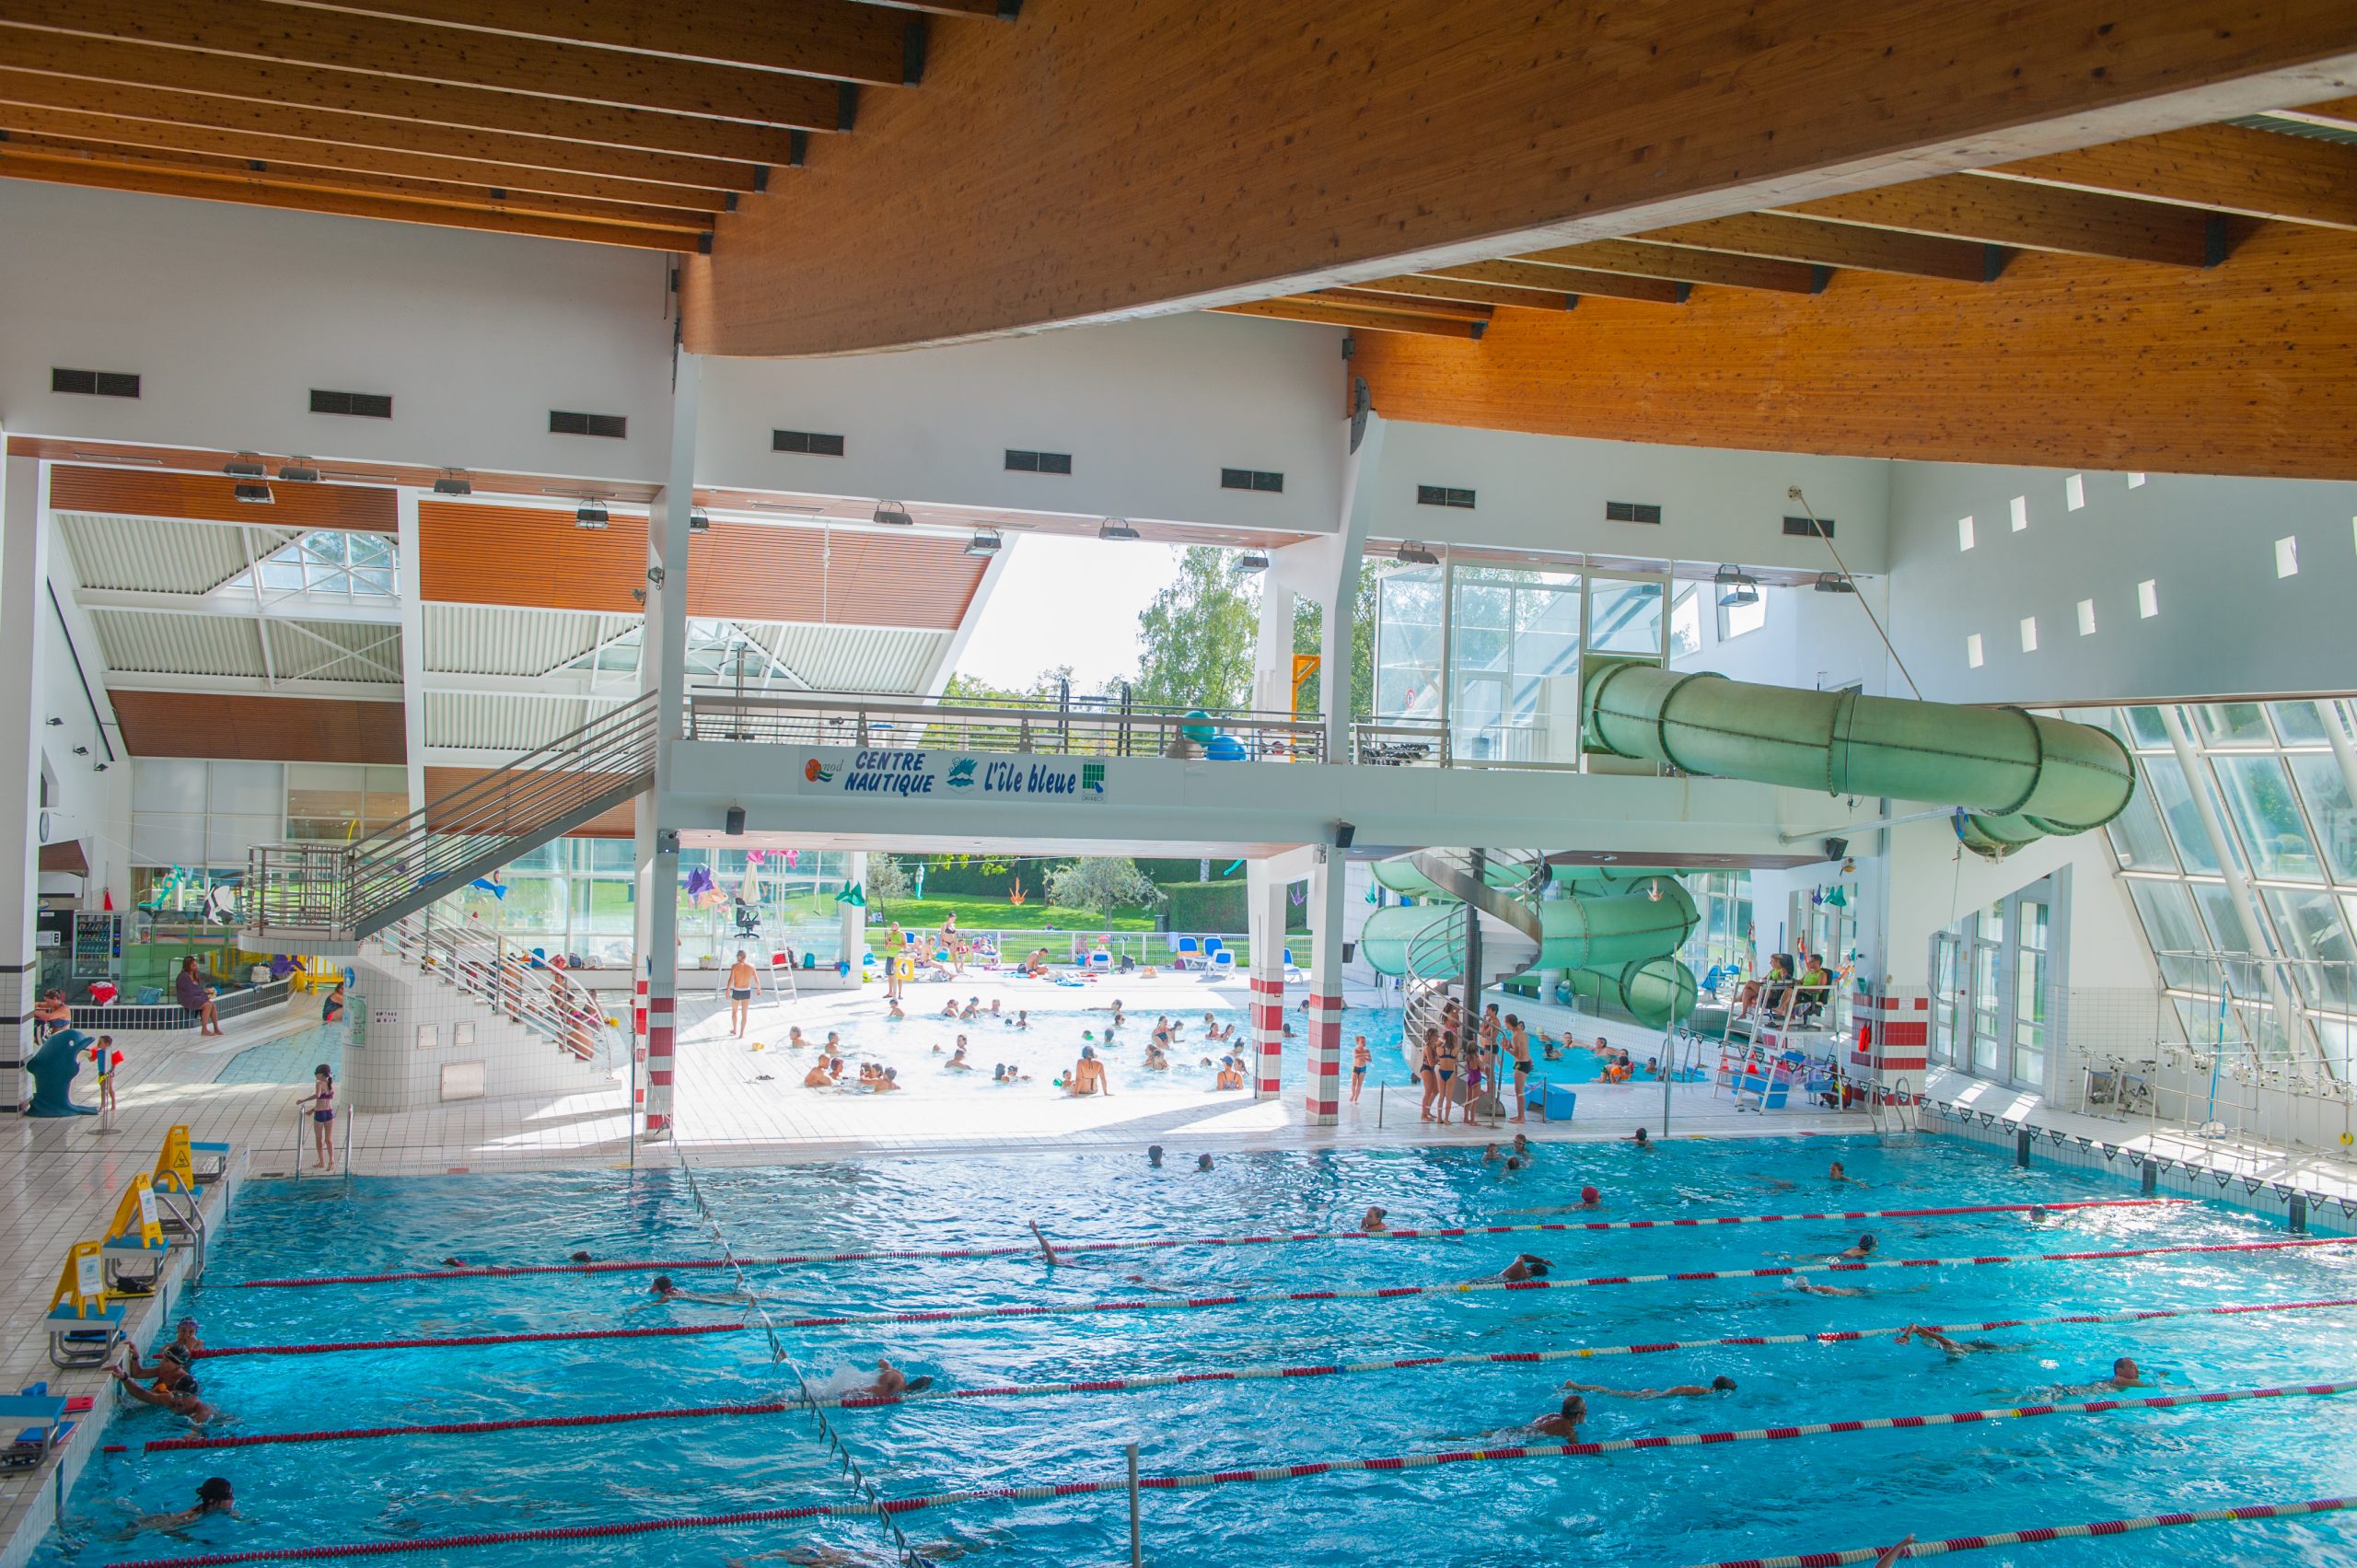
{"type": "Point", "coordinates": [1561, 1101]}
{"type": "Point", "coordinates": [35, 1443]}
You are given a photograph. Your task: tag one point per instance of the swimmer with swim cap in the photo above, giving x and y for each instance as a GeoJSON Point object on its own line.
{"type": "Point", "coordinates": [1720, 1385]}
{"type": "Point", "coordinates": [1590, 1198]}
{"type": "Point", "coordinates": [1565, 1422]}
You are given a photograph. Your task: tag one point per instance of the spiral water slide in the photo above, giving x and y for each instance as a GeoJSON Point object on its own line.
{"type": "Point", "coordinates": [2013, 778]}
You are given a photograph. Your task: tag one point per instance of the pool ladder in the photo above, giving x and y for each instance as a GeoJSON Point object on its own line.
{"type": "Point", "coordinates": [1897, 1118]}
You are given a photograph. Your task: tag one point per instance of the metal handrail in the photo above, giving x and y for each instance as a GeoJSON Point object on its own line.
{"type": "Point", "coordinates": [548, 1002]}
{"type": "Point", "coordinates": [1028, 726]}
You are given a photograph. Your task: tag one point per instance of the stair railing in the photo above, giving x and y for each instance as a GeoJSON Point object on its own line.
{"type": "Point", "coordinates": [509, 982]}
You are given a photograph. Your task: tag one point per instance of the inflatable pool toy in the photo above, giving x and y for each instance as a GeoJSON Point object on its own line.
{"type": "Point", "coordinates": [757, 1045]}
{"type": "Point", "coordinates": [1224, 749]}
{"type": "Point", "coordinates": [1198, 728]}
{"type": "Point", "coordinates": [1088, 1034]}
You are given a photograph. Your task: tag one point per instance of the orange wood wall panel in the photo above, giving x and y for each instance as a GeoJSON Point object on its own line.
{"type": "Point", "coordinates": [527, 555]}
{"type": "Point", "coordinates": [442, 782]}
{"type": "Point", "coordinates": [267, 729]}
{"type": "Point", "coordinates": [857, 579]}
{"type": "Point", "coordinates": [354, 508]}
{"type": "Point", "coordinates": [2249, 367]}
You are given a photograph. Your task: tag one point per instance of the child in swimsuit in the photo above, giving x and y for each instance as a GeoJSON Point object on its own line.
{"type": "Point", "coordinates": [1445, 1068]}
{"type": "Point", "coordinates": [322, 1099]}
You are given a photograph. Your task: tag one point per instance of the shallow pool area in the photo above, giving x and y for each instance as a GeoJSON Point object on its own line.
{"type": "Point", "coordinates": [1666, 1506]}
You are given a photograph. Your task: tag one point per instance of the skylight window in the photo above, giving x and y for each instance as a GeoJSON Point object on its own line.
{"type": "Point", "coordinates": [349, 566]}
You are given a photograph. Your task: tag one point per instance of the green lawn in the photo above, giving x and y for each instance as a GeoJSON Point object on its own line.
{"type": "Point", "coordinates": [976, 912]}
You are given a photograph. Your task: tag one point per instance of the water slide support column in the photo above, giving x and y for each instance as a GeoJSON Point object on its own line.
{"type": "Point", "coordinates": [663, 670]}
{"type": "Point", "coordinates": [1266, 918]}
{"type": "Point", "coordinates": [1327, 905]}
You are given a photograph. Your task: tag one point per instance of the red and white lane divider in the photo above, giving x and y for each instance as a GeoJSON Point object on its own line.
{"type": "Point", "coordinates": [1046, 1492]}
{"type": "Point", "coordinates": [1473, 1287]}
{"type": "Point", "coordinates": [1176, 1380]}
{"type": "Point", "coordinates": [2046, 1533]}
{"type": "Point", "coordinates": [443, 1341]}
{"type": "Point", "coordinates": [1700, 1222]}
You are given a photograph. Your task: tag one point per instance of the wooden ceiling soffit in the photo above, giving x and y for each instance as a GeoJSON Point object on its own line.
{"type": "Point", "coordinates": [251, 190]}
{"type": "Point", "coordinates": [39, 127]}
{"type": "Point", "coordinates": [682, 226]}
{"type": "Point", "coordinates": [270, 729]}
{"type": "Point", "coordinates": [832, 38]}
{"type": "Point", "coordinates": [209, 498]}
{"type": "Point", "coordinates": [2261, 174]}
{"type": "Point", "coordinates": [1560, 107]}
{"type": "Point", "coordinates": [390, 98]}
{"type": "Point", "coordinates": [536, 556]}
{"type": "Point", "coordinates": [286, 35]}
{"type": "Point", "coordinates": [356, 139]}
{"type": "Point", "coordinates": [2035, 217]}
{"type": "Point", "coordinates": [1470, 293]}
{"type": "Point", "coordinates": [2335, 114]}
{"type": "Point", "coordinates": [1783, 237]}
{"type": "Point", "coordinates": [1450, 310]}
{"type": "Point", "coordinates": [1326, 313]}
{"type": "Point", "coordinates": [1567, 280]}
{"type": "Point", "coordinates": [1670, 263]}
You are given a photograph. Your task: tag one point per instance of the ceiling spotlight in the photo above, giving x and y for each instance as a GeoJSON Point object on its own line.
{"type": "Point", "coordinates": [298, 470]}
{"type": "Point", "coordinates": [590, 513]}
{"type": "Point", "coordinates": [893, 515]}
{"type": "Point", "coordinates": [246, 465]}
{"type": "Point", "coordinates": [1736, 589]}
{"type": "Point", "coordinates": [699, 521]}
{"type": "Point", "coordinates": [1249, 562]}
{"type": "Point", "coordinates": [1115, 527]}
{"type": "Point", "coordinates": [1412, 553]}
{"type": "Point", "coordinates": [81, 751]}
{"type": "Point", "coordinates": [98, 767]}
{"type": "Point", "coordinates": [454, 484]}
{"type": "Point", "coordinates": [55, 723]}
{"type": "Point", "coordinates": [1835, 582]}
{"type": "Point", "coordinates": [253, 491]}
{"type": "Point", "coordinates": [986, 542]}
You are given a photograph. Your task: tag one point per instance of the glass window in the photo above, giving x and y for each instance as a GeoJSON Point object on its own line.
{"type": "Point", "coordinates": [1626, 617]}
{"type": "Point", "coordinates": [327, 561]}
{"type": "Point", "coordinates": [2325, 791]}
{"type": "Point", "coordinates": [167, 783]}
{"type": "Point", "coordinates": [2029, 991]}
{"type": "Point", "coordinates": [2222, 916]}
{"type": "Point", "coordinates": [2145, 725]}
{"type": "Point", "coordinates": [2229, 724]}
{"type": "Point", "coordinates": [2172, 928]}
{"type": "Point", "coordinates": [2259, 799]}
{"type": "Point", "coordinates": [1408, 643]}
{"type": "Point", "coordinates": [1741, 620]}
{"type": "Point", "coordinates": [2137, 837]}
{"type": "Point", "coordinates": [2298, 723]}
{"type": "Point", "coordinates": [1686, 623]}
{"type": "Point", "coordinates": [1515, 637]}
{"type": "Point", "coordinates": [2175, 801]}
{"type": "Point", "coordinates": [2310, 926]}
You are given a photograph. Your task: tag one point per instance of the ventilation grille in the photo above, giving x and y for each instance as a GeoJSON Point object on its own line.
{"type": "Point", "coordinates": [807, 441]}
{"type": "Point", "coordinates": [1039, 462]}
{"type": "Point", "coordinates": [95, 383]}
{"type": "Point", "coordinates": [1251, 478]}
{"type": "Point", "coordinates": [1441, 495]}
{"type": "Point", "coordinates": [608, 424]}
{"type": "Point", "coordinates": [363, 405]}
{"type": "Point", "coordinates": [1809, 528]}
{"type": "Point", "coordinates": [1632, 512]}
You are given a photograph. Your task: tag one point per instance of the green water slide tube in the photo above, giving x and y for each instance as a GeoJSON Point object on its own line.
{"type": "Point", "coordinates": [1619, 932]}
{"type": "Point", "coordinates": [2015, 777]}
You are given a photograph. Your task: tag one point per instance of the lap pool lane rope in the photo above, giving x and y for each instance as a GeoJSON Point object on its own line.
{"type": "Point", "coordinates": [807, 1402]}
{"type": "Point", "coordinates": [1050, 1491]}
{"type": "Point", "coordinates": [2135, 1317]}
{"type": "Point", "coordinates": [1028, 1249]}
{"type": "Point", "coordinates": [2042, 1533]}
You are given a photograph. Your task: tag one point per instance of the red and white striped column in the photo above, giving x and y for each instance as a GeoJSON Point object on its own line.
{"type": "Point", "coordinates": [1894, 1038]}
{"type": "Point", "coordinates": [1326, 903]}
{"type": "Point", "coordinates": [1266, 917]}
{"type": "Point", "coordinates": [659, 964]}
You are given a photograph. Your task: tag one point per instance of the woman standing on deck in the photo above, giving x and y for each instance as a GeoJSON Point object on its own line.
{"type": "Point", "coordinates": [1444, 1069]}
{"type": "Point", "coordinates": [1428, 1070]}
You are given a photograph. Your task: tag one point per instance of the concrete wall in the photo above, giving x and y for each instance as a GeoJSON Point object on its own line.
{"type": "Point", "coordinates": [388, 1068]}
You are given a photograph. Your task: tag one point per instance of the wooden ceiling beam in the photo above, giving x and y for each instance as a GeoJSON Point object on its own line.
{"type": "Point", "coordinates": [352, 164]}
{"type": "Point", "coordinates": [363, 137]}
{"type": "Point", "coordinates": [1003, 10]}
{"type": "Point", "coordinates": [2227, 169]}
{"type": "Point", "coordinates": [684, 220]}
{"type": "Point", "coordinates": [2335, 114]}
{"type": "Point", "coordinates": [1326, 313]}
{"type": "Point", "coordinates": [393, 98]}
{"type": "Point", "coordinates": [2033, 217]}
{"type": "Point", "coordinates": [1785, 237]}
{"type": "Point", "coordinates": [831, 39]}
{"type": "Point", "coordinates": [1668, 261]}
{"type": "Point", "coordinates": [1470, 293]}
{"type": "Point", "coordinates": [249, 192]}
{"type": "Point", "coordinates": [1566, 280]}
{"type": "Point", "coordinates": [1370, 300]}
{"type": "Point", "coordinates": [254, 30]}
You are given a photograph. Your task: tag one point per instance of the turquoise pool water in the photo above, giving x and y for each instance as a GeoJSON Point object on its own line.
{"type": "Point", "coordinates": [288, 1058]}
{"type": "Point", "coordinates": [1661, 1508]}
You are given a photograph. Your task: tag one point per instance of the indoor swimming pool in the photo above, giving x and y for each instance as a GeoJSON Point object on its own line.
{"type": "Point", "coordinates": [1665, 1507]}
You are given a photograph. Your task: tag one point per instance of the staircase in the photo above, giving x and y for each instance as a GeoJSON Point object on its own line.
{"type": "Point", "coordinates": [1502, 893]}
{"type": "Point", "coordinates": [545, 1002]}
{"type": "Point", "coordinates": [310, 897]}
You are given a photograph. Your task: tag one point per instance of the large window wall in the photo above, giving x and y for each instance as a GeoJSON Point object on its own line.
{"type": "Point", "coordinates": [1996, 985]}
{"type": "Point", "coordinates": [1492, 650]}
{"type": "Point", "coordinates": [2240, 854]}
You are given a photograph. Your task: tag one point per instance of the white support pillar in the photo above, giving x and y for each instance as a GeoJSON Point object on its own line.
{"type": "Point", "coordinates": [1326, 910]}
{"type": "Point", "coordinates": [662, 669]}
{"type": "Point", "coordinates": [1273, 654]}
{"type": "Point", "coordinates": [24, 568]}
{"type": "Point", "coordinates": [1346, 548]}
{"type": "Point", "coordinates": [413, 613]}
{"type": "Point", "coordinates": [1265, 918]}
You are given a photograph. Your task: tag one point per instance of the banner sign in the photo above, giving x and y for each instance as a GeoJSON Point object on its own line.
{"type": "Point", "coordinates": [939, 774]}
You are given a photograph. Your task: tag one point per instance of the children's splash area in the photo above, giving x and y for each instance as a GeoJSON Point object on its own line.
{"type": "Point", "coordinates": [958, 1359]}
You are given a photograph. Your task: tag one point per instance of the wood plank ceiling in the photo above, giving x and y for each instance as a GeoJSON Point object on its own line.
{"type": "Point", "coordinates": [613, 122]}
{"type": "Point", "coordinates": [2181, 200]}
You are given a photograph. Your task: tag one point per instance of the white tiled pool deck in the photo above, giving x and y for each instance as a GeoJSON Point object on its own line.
{"type": "Point", "coordinates": [66, 1176]}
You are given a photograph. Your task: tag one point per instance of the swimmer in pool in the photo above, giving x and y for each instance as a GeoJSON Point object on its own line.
{"type": "Point", "coordinates": [793, 1040]}
{"type": "Point", "coordinates": [1838, 1175]}
{"type": "Point", "coordinates": [892, 1013]}
{"type": "Point", "coordinates": [175, 1391]}
{"type": "Point", "coordinates": [1894, 1551]}
{"type": "Point", "coordinates": [1565, 1422]}
{"type": "Point", "coordinates": [1372, 1225]}
{"type": "Point", "coordinates": [1590, 1198]}
{"type": "Point", "coordinates": [1640, 1139]}
{"type": "Point", "coordinates": [817, 1077]}
{"type": "Point", "coordinates": [1720, 1384]}
{"type": "Point", "coordinates": [891, 1383]}
{"type": "Point", "coordinates": [2125, 1374]}
{"type": "Point", "coordinates": [1808, 1288]}
{"type": "Point", "coordinates": [744, 982]}
{"type": "Point", "coordinates": [178, 1352]}
{"type": "Point", "coordinates": [1202, 1162]}
{"type": "Point", "coordinates": [1864, 1249]}
{"type": "Point", "coordinates": [1489, 1155]}
{"type": "Point", "coordinates": [1067, 1261]}
{"type": "Point", "coordinates": [666, 1293]}
{"type": "Point", "coordinates": [1934, 1337]}
{"type": "Point", "coordinates": [214, 1495]}
{"type": "Point", "coordinates": [1526, 1266]}
{"type": "Point", "coordinates": [958, 1062]}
